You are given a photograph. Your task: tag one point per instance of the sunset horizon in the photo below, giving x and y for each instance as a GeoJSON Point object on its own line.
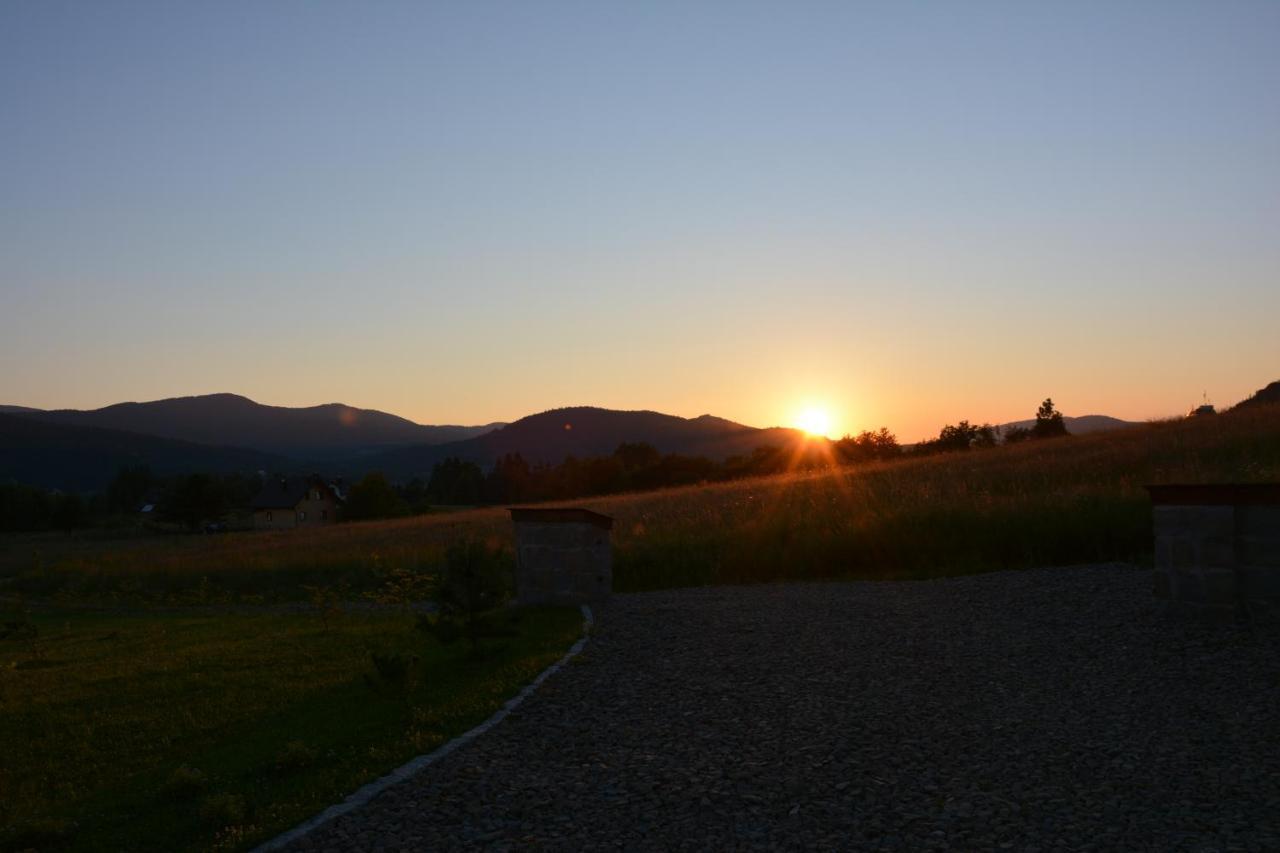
{"type": "Point", "coordinates": [578, 425]}
{"type": "Point", "coordinates": [800, 416]}
{"type": "Point", "coordinates": [906, 215]}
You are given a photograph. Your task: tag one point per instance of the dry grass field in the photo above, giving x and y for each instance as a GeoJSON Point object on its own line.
{"type": "Point", "coordinates": [1071, 500]}
{"type": "Point", "coordinates": [158, 725]}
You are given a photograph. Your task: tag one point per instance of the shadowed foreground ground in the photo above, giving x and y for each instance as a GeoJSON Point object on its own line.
{"type": "Point", "coordinates": [1048, 709]}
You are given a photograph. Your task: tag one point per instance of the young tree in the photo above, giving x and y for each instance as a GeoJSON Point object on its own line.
{"type": "Point", "coordinates": [961, 436]}
{"type": "Point", "coordinates": [637, 456]}
{"type": "Point", "coordinates": [886, 444]}
{"type": "Point", "coordinates": [415, 494]}
{"type": "Point", "coordinates": [476, 579]}
{"type": "Point", "coordinates": [1049, 423]}
{"type": "Point", "coordinates": [193, 499]}
{"type": "Point", "coordinates": [129, 487]}
{"type": "Point", "coordinates": [373, 497]}
{"type": "Point", "coordinates": [508, 481]}
{"type": "Point", "coordinates": [456, 482]}
{"type": "Point", "coordinates": [24, 507]}
{"type": "Point", "coordinates": [70, 512]}
{"type": "Point", "coordinates": [985, 436]}
{"type": "Point", "coordinates": [958, 437]}
{"type": "Point", "coordinates": [1014, 434]}
{"type": "Point", "coordinates": [868, 445]}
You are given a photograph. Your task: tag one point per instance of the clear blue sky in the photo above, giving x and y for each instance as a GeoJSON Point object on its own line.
{"type": "Point", "coordinates": [910, 213]}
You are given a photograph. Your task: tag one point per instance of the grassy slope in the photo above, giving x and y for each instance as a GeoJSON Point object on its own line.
{"type": "Point", "coordinates": [118, 702]}
{"type": "Point", "coordinates": [1074, 499]}
{"type": "Point", "coordinates": [96, 720]}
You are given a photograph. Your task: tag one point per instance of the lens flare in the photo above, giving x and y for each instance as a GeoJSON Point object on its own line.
{"type": "Point", "coordinates": [815, 421]}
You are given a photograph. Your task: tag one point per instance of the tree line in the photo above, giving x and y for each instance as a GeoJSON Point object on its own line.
{"type": "Point", "coordinates": [184, 500]}
{"type": "Point", "coordinates": [633, 466]}
{"type": "Point", "coordinates": [1049, 423]}
{"type": "Point", "coordinates": [191, 501]}
{"type": "Point", "coordinates": [638, 466]}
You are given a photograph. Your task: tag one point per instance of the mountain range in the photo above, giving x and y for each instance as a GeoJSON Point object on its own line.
{"type": "Point", "coordinates": [587, 431]}
{"type": "Point", "coordinates": [77, 458]}
{"type": "Point", "coordinates": [330, 433]}
{"type": "Point", "coordinates": [1082, 425]}
{"type": "Point", "coordinates": [82, 450]}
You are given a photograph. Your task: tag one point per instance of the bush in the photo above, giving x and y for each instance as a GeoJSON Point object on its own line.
{"type": "Point", "coordinates": [295, 755]}
{"type": "Point", "coordinates": [392, 672]}
{"type": "Point", "coordinates": [38, 835]}
{"type": "Point", "coordinates": [184, 783]}
{"type": "Point", "coordinates": [374, 497]}
{"type": "Point", "coordinates": [222, 810]}
{"type": "Point", "coordinates": [476, 579]}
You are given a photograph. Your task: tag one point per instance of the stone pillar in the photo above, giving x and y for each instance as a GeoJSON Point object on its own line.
{"type": "Point", "coordinates": [563, 556]}
{"type": "Point", "coordinates": [1217, 547]}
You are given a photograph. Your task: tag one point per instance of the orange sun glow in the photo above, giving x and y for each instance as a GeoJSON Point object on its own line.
{"type": "Point", "coordinates": [815, 421]}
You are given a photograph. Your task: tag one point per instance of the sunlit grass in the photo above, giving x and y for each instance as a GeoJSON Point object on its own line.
{"type": "Point", "coordinates": [1073, 499]}
{"type": "Point", "coordinates": [166, 732]}
{"type": "Point", "coordinates": [98, 719]}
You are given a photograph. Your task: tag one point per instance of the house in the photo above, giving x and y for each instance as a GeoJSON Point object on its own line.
{"type": "Point", "coordinates": [295, 502]}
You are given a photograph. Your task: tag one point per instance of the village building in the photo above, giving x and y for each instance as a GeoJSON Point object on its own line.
{"type": "Point", "coordinates": [295, 502]}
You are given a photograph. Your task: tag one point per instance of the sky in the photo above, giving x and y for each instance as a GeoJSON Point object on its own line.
{"type": "Point", "coordinates": [904, 213]}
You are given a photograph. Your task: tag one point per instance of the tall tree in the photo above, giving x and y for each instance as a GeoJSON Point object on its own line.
{"type": "Point", "coordinates": [509, 480]}
{"type": "Point", "coordinates": [456, 482]}
{"type": "Point", "coordinates": [129, 487]}
{"type": "Point", "coordinates": [374, 497]}
{"type": "Point", "coordinates": [1049, 422]}
{"type": "Point", "coordinates": [192, 500]}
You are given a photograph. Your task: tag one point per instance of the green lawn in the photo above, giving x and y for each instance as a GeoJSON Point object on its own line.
{"type": "Point", "coordinates": [176, 732]}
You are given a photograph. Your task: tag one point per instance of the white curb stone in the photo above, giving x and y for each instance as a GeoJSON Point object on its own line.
{"type": "Point", "coordinates": [416, 765]}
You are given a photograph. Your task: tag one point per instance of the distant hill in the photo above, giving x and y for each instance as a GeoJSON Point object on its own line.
{"type": "Point", "coordinates": [16, 410]}
{"type": "Point", "coordinates": [1270, 394]}
{"type": "Point", "coordinates": [325, 433]}
{"type": "Point", "coordinates": [1082, 425]}
{"type": "Point", "coordinates": [586, 431]}
{"type": "Point", "coordinates": [76, 458]}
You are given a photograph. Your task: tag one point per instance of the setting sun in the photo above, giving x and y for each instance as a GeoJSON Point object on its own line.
{"type": "Point", "coordinates": [815, 421]}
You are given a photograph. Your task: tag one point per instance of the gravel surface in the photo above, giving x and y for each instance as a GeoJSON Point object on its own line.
{"type": "Point", "coordinates": [1055, 709]}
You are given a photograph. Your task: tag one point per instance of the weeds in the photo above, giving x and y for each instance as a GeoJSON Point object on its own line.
{"type": "Point", "coordinates": [184, 783]}
{"type": "Point", "coordinates": [220, 811]}
{"type": "Point", "coordinates": [38, 835]}
{"type": "Point", "coordinates": [392, 673]}
{"type": "Point", "coordinates": [477, 579]}
{"type": "Point", "coordinates": [404, 587]}
{"type": "Point", "coordinates": [294, 756]}
{"type": "Point", "coordinates": [327, 602]}
{"type": "Point", "coordinates": [22, 630]}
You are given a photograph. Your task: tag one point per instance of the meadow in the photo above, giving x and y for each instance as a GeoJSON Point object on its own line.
{"type": "Point", "coordinates": [155, 731]}
{"type": "Point", "coordinates": [1075, 499]}
{"type": "Point", "coordinates": [198, 692]}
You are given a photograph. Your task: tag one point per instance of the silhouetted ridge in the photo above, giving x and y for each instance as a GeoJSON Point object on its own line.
{"type": "Point", "coordinates": [78, 458]}
{"type": "Point", "coordinates": [1263, 396]}
{"type": "Point", "coordinates": [331, 431]}
{"type": "Point", "coordinates": [583, 431]}
{"type": "Point", "coordinates": [1082, 425]}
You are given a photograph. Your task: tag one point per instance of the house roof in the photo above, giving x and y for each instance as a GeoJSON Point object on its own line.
{"type": "Point", "coordinates": [560, 515]}
{"type": "Point", "coordinates": [1215, 494]}
{"type": "Point", "coordinates": [285, 493]}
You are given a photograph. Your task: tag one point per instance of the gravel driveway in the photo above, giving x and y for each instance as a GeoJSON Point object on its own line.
{"type": "Point", "coordinates": [1053, 709]}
